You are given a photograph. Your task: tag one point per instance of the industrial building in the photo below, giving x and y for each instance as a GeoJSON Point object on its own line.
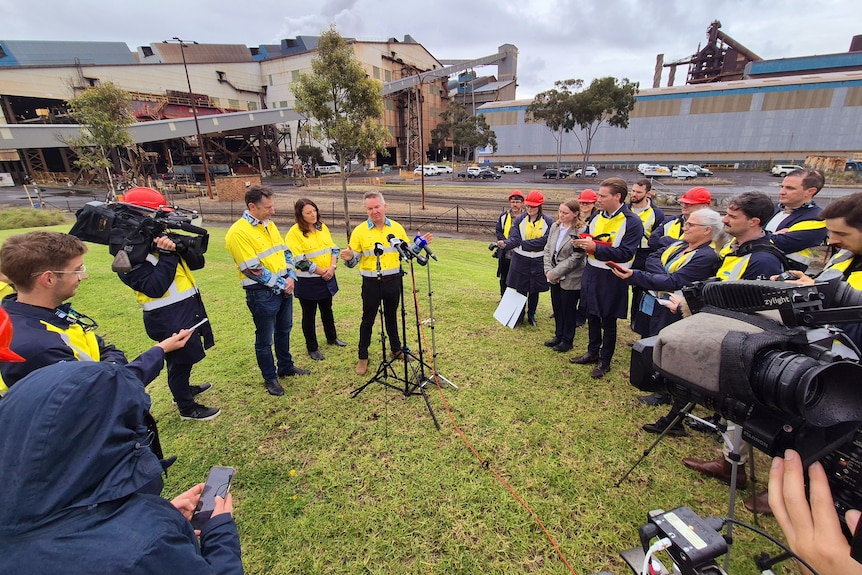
{"type": "Point", "coordinates": [227, 85]}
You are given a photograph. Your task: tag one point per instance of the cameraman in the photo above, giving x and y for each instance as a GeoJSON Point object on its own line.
{"type": "Point", "coordinates": [813, 530]}
{"type": "Point", "coordinates": [170, 299]}
{"type": "Point", "coordinates": [504, 226]}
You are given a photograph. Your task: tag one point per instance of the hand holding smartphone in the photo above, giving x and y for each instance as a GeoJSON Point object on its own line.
{"type": "Point", "coordinates": [218, 483]}
{"type": "Point", "coordinates": [200, 323]}
{"type": "Point", "coordinates": [616, 266]}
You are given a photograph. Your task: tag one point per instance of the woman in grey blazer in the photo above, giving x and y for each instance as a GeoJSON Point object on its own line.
{"type": "Point", "coordinates": [564, 267]}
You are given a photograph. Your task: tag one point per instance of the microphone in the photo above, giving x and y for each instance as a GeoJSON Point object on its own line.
{"type": "Point", "coordinates": [378, 249]}
{"type": "Point", "coordinates": [419, 244]}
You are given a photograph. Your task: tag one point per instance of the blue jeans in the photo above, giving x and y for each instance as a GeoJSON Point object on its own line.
{"type": "Point", "coordinates": [273, 318]}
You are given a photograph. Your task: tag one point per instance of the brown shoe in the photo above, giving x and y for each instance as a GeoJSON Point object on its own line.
{"type": "Point", "coordinates": [760, 502]}
{"type": "Point", "coordinates": [362, 367]}
{"type": "Point", "coordinates": [600, 370]}
{"type": "Point", "coordinates": [585, 359]}
{"type": "Point", "coordinates": [719, 468]}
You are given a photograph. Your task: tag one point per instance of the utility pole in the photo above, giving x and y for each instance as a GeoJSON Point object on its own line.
{"type": "Point", "coordinates": [183, 44]}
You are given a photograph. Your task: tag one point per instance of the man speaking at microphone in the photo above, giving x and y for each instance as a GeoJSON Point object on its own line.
{"type": "Point", "coordinates": [374, 245]}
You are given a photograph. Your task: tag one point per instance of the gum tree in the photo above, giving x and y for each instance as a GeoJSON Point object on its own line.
{"type": "Point", "coordinates": [105, 114]}
{"type": "Point", "coordinates": [466, 131]}
{"type": "Point", "coordinates": [553, 108]}
{"type": "Point", "coordinates": [607, 101]}
{"type": "Point", "coordinates": [345, 104]}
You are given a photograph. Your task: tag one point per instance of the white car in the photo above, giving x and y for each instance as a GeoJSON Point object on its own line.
{"type": "Point", "coordinates": [700, 171]}
{"type": "Point", "coordinates": [592, 172]}
{"type": "Point", "coordinates": [784, 169]}
{"type": "Point", "coordinates": [427, 170]}
{"type": "Point", "coordinates": [508, 169]}
{"type": "Point", "coordinates": [655, 171]}
{"type": "Point", "coordinates": [444, 169]}
{"type": "Point", "coordinates": [683, 173]}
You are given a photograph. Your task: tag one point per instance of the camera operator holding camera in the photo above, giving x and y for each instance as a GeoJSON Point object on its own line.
{"type": "Point", "coordinates": [166, 290]}
{"type": "Point", "coordinates": [503, 228]}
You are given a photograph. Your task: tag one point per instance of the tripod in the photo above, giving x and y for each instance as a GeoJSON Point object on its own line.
{"type": "Point", "coordinates": [732, 437]}
{"type": "Point", "coordinates": [416, 371]}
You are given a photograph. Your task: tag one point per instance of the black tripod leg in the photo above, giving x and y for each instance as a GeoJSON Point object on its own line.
{"type": "Point", "coordinates": [688, 407]}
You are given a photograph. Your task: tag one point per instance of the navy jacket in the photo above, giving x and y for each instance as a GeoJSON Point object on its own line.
{"type": "Point", "coordinates": [74, 463]}
{"type": "Point", "coordinates": [40, 347]}
{"type": "Point", "coordinates": [805, 230]}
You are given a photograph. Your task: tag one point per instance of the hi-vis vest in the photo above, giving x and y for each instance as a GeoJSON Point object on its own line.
{"type": "Point", "coordinates": [183, 287]}
{"type": "Point", "coordinates": [841, 261]}
{"type": "Point", "coordinates": [83, 344]}
{"type": "Point", "coordinates": [362, 241]}
{"type": "Point", "coordinates": [647, 216]}
{"type": "Point", "coordinates": [256, 245]}
{"type": "Point", "coordinates": [615, 227]}
{"type": "Point", "coordinates": [506, 223]}
{"type": "Point", "coordinates": [532, 231]}
{"type": "Point", "coordinates": [316, 248]}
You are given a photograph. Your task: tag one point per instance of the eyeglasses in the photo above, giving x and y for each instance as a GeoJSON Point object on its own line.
{"type": "Point", "coordinates": [687, 225]}
{"type": "Point", "coordinates": [79, 272]}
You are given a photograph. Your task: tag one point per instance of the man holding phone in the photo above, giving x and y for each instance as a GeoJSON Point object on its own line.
{"type": "Point", "coordinates": [170, 299]}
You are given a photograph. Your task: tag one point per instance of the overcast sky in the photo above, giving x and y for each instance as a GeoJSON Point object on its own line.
{"type": "Point", "coordinates": [556, 39]}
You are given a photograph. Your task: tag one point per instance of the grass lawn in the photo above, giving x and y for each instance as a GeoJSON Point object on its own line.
{"type": "Point", "coordinates": [331, 484]}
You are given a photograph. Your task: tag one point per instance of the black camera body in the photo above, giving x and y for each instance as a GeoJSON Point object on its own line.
{"type": "Point", "coordinates": [133, 230]}
{"type": "Point", "coordinates": [766, 356]}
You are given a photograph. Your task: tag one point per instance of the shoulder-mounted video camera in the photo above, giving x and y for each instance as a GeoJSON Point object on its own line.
{"type": "Point", "coordinates": [130, 231]}
{"type": "Point", "coordinates": [768, 356]}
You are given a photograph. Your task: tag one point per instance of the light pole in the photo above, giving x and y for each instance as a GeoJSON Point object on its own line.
{"type": "Point", "coordinates": [183, 45]}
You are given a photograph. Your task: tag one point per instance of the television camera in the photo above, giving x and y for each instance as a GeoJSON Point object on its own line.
{"type": "Point", "coordinates": [769, 356]}
{"type": "Point", "coordinates": [130, 231]}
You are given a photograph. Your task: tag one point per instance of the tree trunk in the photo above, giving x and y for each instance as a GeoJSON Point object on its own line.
{"type": "Point", "coordinates": [344, 176]}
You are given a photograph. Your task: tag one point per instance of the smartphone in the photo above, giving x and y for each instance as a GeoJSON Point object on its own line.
{"type": "Point", "coordinates": [200, 323]}
{"type": "Point", "coordinates": [218, 483]}
{"type": "Point", "coordinates": [615, 266]}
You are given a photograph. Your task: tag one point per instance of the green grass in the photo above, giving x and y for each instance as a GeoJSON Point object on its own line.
{"type": "Point", "coordinates": [330, 484]}
{"type": "Point", "coordinates": [14, 218]}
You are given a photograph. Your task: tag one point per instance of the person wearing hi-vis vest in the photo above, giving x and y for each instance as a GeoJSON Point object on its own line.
{"type": "Point", "coordinates": [615, 233]}
{"type": "Point", "coordinates": [266, 272]}
{"type": "Point", "coordinates": [316, 257]}
{"type": "Point", "coordinates": [501, 231]}
{"type": "Point", "coordinates": [166, 291]}
{"type": "Point", "coordinates": [46, 269]}
{"type": "Point", "coordinates": [797, 227]}
{"type": "Point", "coordinates": [373, 246]}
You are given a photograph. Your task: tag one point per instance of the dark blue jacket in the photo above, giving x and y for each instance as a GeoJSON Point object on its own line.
{"type": "Point", "coordinates": [38, 345]}
{"type": "Point", "coordinates": [805, 230]}
{"type": "Point", "coordinates": [74, 461]}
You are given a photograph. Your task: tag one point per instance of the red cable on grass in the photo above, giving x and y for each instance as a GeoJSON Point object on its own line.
{"type": "Point", "coordinates": [469, 445]}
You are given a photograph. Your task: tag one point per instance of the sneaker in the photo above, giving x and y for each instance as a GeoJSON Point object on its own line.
{"type": "Point", "coordinates": [291, 371]}
{"type": "Point", "coordinates": [198, 412]}
{"type": "Point", "coordinates": [199, 389]}
{"type": "Point", "coordinates": [273, 387]}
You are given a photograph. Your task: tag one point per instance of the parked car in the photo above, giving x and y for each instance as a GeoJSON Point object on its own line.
{"type": "Point", "coordinates": [443, 168]}
{"type": "Point", "coordinates": [683, 172]}
{"type": "Point", "coordinates": [509, 169]}
{"type": "Point", "coordinates": [470, 172]}
{"type": "Point", "coordinates": [333, 169]}
{"type": "Point", "coordinates": [554, 174]}
{"type": "Point", "coordinates": [428, 170]}
{"type": "Point", "coordinates": [700, 171]}
{"type": "Point", "coordinates": [656, 171]}
{"type": "Point", "coordinates": [487, 173]}
{"type": "Point", "coordinates": [592, 172]}
{"type": "Point", "coordinates": [784, 169]}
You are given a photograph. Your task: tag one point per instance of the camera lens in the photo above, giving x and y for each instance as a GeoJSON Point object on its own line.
{"type": "Point", "coordinates": [492, 246]}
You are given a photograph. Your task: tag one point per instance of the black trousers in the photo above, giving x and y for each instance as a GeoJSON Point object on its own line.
{"type": "Point", "coordinates": [387, 290]}
{"type": "Point", "coordinates": [565, 305]}
{"type": "Point", "coordinates": [179, 375]}
{"type": "Point", "coordinates": [603, 337]}
{"type": "Point", "coordinates": [309, 319]}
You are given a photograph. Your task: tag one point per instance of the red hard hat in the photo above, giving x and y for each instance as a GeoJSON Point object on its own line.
{"type": "Point", "coordinates": [698, 195]}
{"type": "Point", "coordinates": [516, 194]}
{"type": "Point", "coordinates": [145, 198]}
{"type": "Point", "coordinates": [588, 196]}
{"type": "Point", "coordinates": [6, 354]}
{"type": "Point", "coordinates": [534, 198]}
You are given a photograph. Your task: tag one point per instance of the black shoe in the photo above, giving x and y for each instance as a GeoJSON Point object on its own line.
{"type": "Point", "coordinates": [585, 359]}
{"type": "Point", "coordinates": [291, 371]}
{"type": "Point", "coordinates": [337, 342]}
{"type": "Point", "coordinates": [580, 324]}
{"type": "Point", "coordinates": [662, 423]}
{"type": "Point", "coordinates": [562, 347]}
{"type": "Point", "coordinates": [199, 389]}
{"type": "Point", "coordinates": [655, 399]}
{"type": "Point", "coordinates": [316, 355]}
{"type": "Point", "coordinates": [274, 388]}
{"type": "Point", "coordinates": [533, 322]}
{"type": "Point", "coordinates": [701, 427]}
{"type": "Point", "coordinates": [600, 370]}
{"type": "Point", "coordinates": [553, 342]}
{"type": "Point", "coordinates": [198, 412]}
